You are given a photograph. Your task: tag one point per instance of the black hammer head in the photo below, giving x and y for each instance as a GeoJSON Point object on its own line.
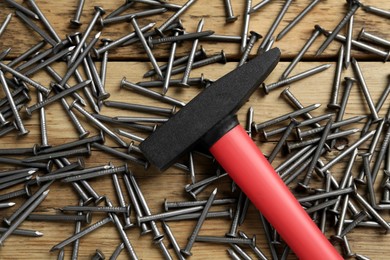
{"type": "Point", "coordinates": [220, 100]}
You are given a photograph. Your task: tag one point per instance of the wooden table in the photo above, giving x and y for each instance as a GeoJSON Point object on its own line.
{"type": "Point", "coordinates": [131, 62]}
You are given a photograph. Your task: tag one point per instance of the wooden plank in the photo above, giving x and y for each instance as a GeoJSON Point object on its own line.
{"type": "Point", "coordinates": [157, 186]}
{"type": "Point", "coordinates": [326, 13]}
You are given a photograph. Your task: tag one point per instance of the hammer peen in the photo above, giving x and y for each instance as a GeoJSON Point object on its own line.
{"type": "Point", "coordinates": [210, 118]}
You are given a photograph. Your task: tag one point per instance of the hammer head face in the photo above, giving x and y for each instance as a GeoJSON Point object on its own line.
{"type": "Point", "coordinates": [223, 98]}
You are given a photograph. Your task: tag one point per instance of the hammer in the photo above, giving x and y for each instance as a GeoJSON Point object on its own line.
{"type": "Point", "coordinates": [210, 118]}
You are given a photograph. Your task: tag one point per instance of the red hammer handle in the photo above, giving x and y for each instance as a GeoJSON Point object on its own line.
{"type": "Point", "coordinates": [251, 171]}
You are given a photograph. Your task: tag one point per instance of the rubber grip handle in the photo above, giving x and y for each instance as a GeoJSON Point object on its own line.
{"type": "Point", "coordinates": [250, 170]}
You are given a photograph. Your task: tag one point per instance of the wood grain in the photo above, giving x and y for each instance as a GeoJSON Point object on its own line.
{"type": "Point", "coordinates": [130, 62]}
{"type": "Point", "coordinates": [326, 13]}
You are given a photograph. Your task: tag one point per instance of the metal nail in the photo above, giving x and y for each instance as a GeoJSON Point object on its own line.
{"type": "Point", "coordinates": [61, 218]}
{"type": "Point", "coordinates": [221, 58]}
{"type": "Point", "coordinates": [20, 76]}
{"type": "Point", "coordinates": [314, 120]}
{"type": "Point", "coordinates": [45, 166]}
{"type": "Point", "coordinates": [190, 61]}
{"type": "Point", "coordinates": [141, 199]}
{"type": "Point", "coordinates": [151, 93]}
{"type": "Point", "coordinates": [117, 251]}
{"type": "Point", "coordinates": [141, 108]}
{"type": "Point", "coordinates": [381, 154]}
{"type": "Point", "coordinates": [109, 209]}
{"type": "Point", "coordinates": [172, 239]}
{"type": "Point", "coordinates": [98, 124]}
{"type": "Point", "coordinates": [121, 200]}
{"type": "Point", "coordinates": [160, 30]}
{"type": "Point", "coordinates": [297, 19]}
{"type": "Point", "coordinates": [13, 194]}
{"type": "Point", "coordinates": [5, 23]}
{"type": "Point", "coordinates": [293, 158]}
{"type": "Point", "coordinates": [279, 119]}
{"type": "Point", "coordinates": [98, 12]}
{"type": "Point", "coordinates": [234, 225]}
{"type": "Point", "coordinates": [22, 130]}
{"type": "Point", "coordinates": [351, 120]}
{"type": "Point", "coordinates": [355, 4]}
{"type": "Point", "coordinates": [94, 174]}
{"type": "Point", "coordinates": [34, 49]}
{"type": "Point", "coordinates": [17, 176]}
{"type": "Point", "coordinates": [168, 214]}
{"type": "Point", "coordinates": [342, 215]}
{"type": "Point", "coordinates": [82, 233]}
{"type": "Point", "coordinates": [82, 132]}
{"type": "Point", "coordinates": [44, 21]}
{"type": "Point", "coordinates": [23, 232]}
{"type": "Point", "coordinates": [203, 182]}
{"type": "Point", "coordinates": [198, 54]}
{"type": "Point", "coordinates": [131, 119]}
{"type": "Point", "coordinates": [252, 40]}
{"type": "Point", "coordinates": [348, 41]}
{"type": "Point", "coordinates": [7, 129]}
{"type": "Point", "coordinates": [376, 10]}
{"type": "Point", "coordinates": [259, 6]}
{"type": "Point", "coordinates": [333, 104]}
{"type": "Point", "coordinates": [184, 204]}
{"type": "Point", "coordinates": [58, 78]}
{"type": "Point", "coordinates": [127, 17]}
{"type": "Point", "coordinates": [294, 145]}
{"type": "Point", "coordinates": [96, 138]}
{"type": "Point", "coordinates": [233, 255]}
{"type": "Point", "coordinates": [22, 9]}
{"type": "Point", "coordinates": [4, 54]}
{"type": "Point", "coordinates": [134, 201]}
{"type": "Point", "coordinates": [187, 250]}
{"type": "Point", "coordinates": [330, 194]}
{"type": "Point", "coordinates": [282, 140]}
{"type": "Point", "coordinates": [66, 153]}
{"type": "Point", "coordinates": [347, 151]}
{"type": "Point", "coordinates": [50, 60]}
{"type": "Point", "coordinates": [255, 249]}
{"type": "Point", "coordinates": [181, 37]}
{"type": "Point", "coordinates": [126, 5]}
{"type": "Point", "coordinates": [245, 25]}
{"type": "Point", "coordinates": [274, 25]}
{"type": "Point", "coordinates": [159, 4]}
{"type": "Point", "coordinates": [297, 104]}
{"type": "Point", "coordinates": [373, 213]}
{"type": "Point", "coordinates": [123, 155]}
{"type": "Point", "coordinates": [230, 17]}
{"type": "Point", "coordinates": [75, 22]}
{"type": "Point", "coordinates": [384, 54]}
{"type": "Point", "coordinates": [146, 47]}
{"type": "Point", "coordinates": [23, 216]}
{"type": "Point", "coordinates": [122, 40]}
{"type": "Point", "coordinates": [371, 150]}
{"type": "Point", "coordinates": [320, 206]}
{"type": "Point", "coordinates": [302, 75]}
{"type": "Point", "coordinates": [316, 155]}
{"type": "Point", "coordinates": [59, 95]}
{"type": "Point", "coordinates": [365, 90]}
{"type": "Point", "coordinates": [359, 218]}
{"type": "Point", "coordinates": [36, 28]}
{"type": "Point", "coordinates": [98, 255]}
{"type": "Point", "coordinates": [240, 252]}
{"type": "Point", "coordinates": [213, 214]}
{"type": "Point", "coordinates": [176, 25]}
{"type": "Point", "coordinates": [227, 240]}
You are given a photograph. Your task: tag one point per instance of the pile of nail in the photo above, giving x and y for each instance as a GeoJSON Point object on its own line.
{"type": "Point", "coordinates": [337, 205]}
